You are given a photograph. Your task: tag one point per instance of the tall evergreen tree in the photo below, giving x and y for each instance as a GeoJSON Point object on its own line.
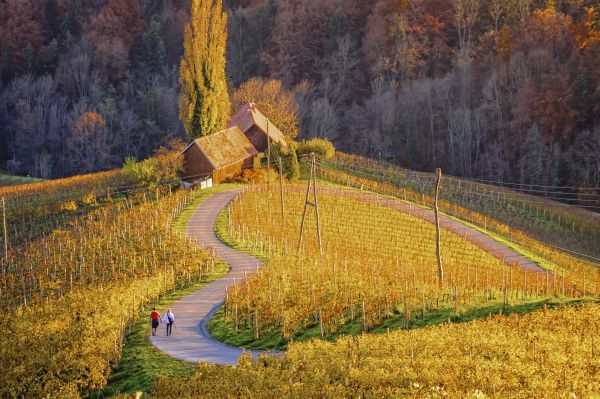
{"type": "Point", "coordinates": [204, 106]}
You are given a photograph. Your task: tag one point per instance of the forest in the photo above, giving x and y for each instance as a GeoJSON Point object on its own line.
{"type": "Point", "coordinates": [501, 90]}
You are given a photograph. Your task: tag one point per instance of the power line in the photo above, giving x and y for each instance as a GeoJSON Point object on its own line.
{"type": "Point", "coordinates": [527, 191]}
{"type": "Point", "coordinates": [487, 188]}
{"type": "Point", "coordinates": [502, 183]}
{"type": "Point", "coordinates": [493, 182]}
{"type": "Point", "coordinates": [588, 258]}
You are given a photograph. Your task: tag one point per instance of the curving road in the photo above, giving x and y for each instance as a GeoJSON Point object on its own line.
{"type": "Point", "coordinates": [190, 340]}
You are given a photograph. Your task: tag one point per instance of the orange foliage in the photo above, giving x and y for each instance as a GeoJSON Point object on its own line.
{"type": "Point", "coordinates": [119, 20]}
{"type": "Point", "coordinates": [585, 31]}
{"type": "Point", "coordinates": [88, 121]}
{"type": "Point", "coordinates": [548, 30]}
{"type": "Point", "coordinates": [21, 27]}
{"type": "Point", "coordinates": [424, 27]}
{"type": "Point", "coordinates": [504, 42]}
{"type": "Point", "coordinates": [548, 105]}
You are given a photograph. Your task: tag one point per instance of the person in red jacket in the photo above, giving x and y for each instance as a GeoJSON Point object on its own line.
{"type": "Point", "coordinates": [155, 320]}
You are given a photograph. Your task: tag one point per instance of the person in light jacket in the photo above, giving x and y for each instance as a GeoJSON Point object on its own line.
{"type": "Point", "coordinates": [169, 319]}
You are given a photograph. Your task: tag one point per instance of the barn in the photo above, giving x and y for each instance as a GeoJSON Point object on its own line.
{"type": "Point", "coordinates": [257, 127]}
{"type": "Point", "coordinates": [219, 156]}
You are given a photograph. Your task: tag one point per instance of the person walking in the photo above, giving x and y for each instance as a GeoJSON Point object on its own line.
{"type": "Point", "coordinates": [169, 319]}
{"type": "Point", "coordinates": [155, 320]}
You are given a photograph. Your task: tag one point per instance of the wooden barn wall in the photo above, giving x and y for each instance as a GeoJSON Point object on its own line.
{"type": "Point", "coordinates": [257, 138]}
{"type": "Point", "coordinates": [229, 171]}
{"type": "Point", "coordinates": [195, 163]}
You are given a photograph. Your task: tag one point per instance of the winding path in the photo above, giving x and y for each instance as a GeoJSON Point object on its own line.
{"type": "Point", "coordinates": [190, 340]}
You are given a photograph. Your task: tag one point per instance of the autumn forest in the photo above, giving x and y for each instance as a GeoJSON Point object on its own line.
{"type": "Point", "coordinates": [503, 90]}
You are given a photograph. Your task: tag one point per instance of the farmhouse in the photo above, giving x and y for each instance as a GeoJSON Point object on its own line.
{"type": "Point", "coordinates": [218, 156]}
{"type": "Point", "coordinates": [257, 127]}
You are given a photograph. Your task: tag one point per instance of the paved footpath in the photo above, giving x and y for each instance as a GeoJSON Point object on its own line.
{"type": "Point", "coordinates": [190, 340]}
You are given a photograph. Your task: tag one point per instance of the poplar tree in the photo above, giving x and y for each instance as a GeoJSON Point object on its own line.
{"type": "Point", "coordinates": [204, 106]}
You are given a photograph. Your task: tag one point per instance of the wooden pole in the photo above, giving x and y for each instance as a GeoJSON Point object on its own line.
{"type": "Point", "coordinates": [315, 203]}
{"type": "Point", "coordinates": [5, 263]}
{"type": "Point", "coordinates": [438, 181]}
{"type": "Point", "coordinates": [305, 206]}
{"type": "Point", "coordinates": [268, 156]}
{"type": "Point", "coordinates": [311, 180]}
{"type": "Point", "coordinates": [281, 189]}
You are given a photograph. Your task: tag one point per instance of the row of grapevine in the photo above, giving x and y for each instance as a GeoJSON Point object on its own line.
{"type": "Point", "coordinates": [570, 227]}
{"type": "Point", "coordinates": [377, 262]}
{"type": "Point", "coordinates": [579, 271]}
{"type": "Point", "coordinates": [70, 297]}
{"type": "Point", "coordinates": [33, 210]}
{"type": "Point", "coordinates": [545, 354]}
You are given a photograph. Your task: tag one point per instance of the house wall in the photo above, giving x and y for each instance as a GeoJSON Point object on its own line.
{"type": "Point", "coordinates": [195, 164]}
{"type": "Point", "coordinates": [232, 170]}
{"type": "Point", "coordinates": [257, 138]}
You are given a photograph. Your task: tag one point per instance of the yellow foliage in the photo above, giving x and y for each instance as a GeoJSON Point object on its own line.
{"type": "Point", "coordinates": [545, 354]}
{"type": "Point", "coordinates": [204, 106]}
{"type": "Point", "coordinates": [83, 286]}
{"type": "Point", "coordinates": [89, 198]}
{"type": "Point", "coordinates": [68, 206]}
{"type": "Point", "coordinates": [377, 261]}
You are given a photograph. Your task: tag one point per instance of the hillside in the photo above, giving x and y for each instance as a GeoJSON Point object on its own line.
{"type": "Point", "coordinates": [377, 274]}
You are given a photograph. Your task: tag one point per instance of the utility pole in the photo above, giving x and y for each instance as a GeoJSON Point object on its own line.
{"type": "Point", "coordinates": [438, 181]}
{"type": "Point", "coordinates": [312, 180]}
{"type": "Point", "coordinates": [281, 189]}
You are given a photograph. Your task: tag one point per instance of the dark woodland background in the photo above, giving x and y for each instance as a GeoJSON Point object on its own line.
{"type": "Point", "coordinates": [505, 90]}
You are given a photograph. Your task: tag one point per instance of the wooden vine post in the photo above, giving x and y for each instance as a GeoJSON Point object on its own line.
{"type": "Point", "coordinates": [312, 180]}
{"type": "Point", "coordinates": [438, 181]}
{"type": "Point", "coordinates": [268, 157]}
{"type": "Point", "coordinates": [281, 189]}
{"type": "Point", "coordinates": [5, 254]}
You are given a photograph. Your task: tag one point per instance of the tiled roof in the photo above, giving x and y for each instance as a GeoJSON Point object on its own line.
{"type": "Point", "coordinates": [226, 147]}
{"type": "Point", "coordinates": [249, 116]}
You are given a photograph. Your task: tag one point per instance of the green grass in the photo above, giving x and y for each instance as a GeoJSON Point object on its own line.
{"type": "Point", "coordinates": [12, 180]}
{"type": "Point", "coordinates": [223, 330]}
{"type": "Point", "coordinates": [222, 233]}
{"type": "Point", "coordinates": [141, 362]}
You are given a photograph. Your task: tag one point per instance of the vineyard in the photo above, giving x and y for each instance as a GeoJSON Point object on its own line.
{"type": "Point", "coordinates": [76, 292]}
{"type": "Point", "coordinates": [543, 213]}
{"type": "Point", "coordinates": [377, 264]}
{"type": "Point", "coordinates": [36, 209]}
{"type": "Point", "coordinates": [560, 260]}
{"type": "Point", "coordinates": [93, 252]}
{"type": "Point", "coordinates": [545, 354]}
